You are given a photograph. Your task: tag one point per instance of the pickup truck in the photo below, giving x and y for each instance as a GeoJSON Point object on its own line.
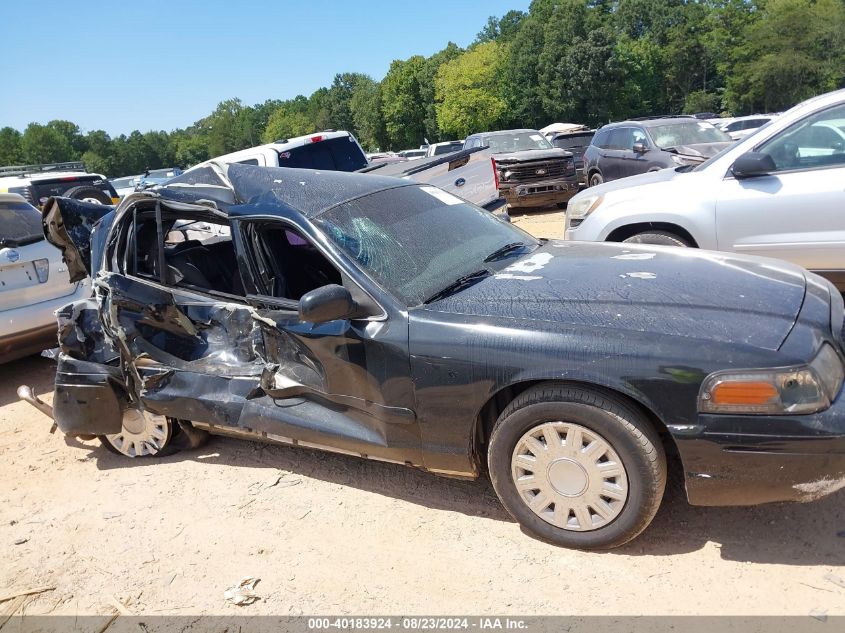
{"type": "Point", "coordinates": [531, 172]}
{"type": "Point", "coordinates": [468, 174]}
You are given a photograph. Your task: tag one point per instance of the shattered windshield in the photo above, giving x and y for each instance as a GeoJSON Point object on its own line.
{"type": "Point", "coordinates": [687, 133]}
{"type": "Point", "coordinates": [516, 142]}
{"type": "Point", "coordinates": [414, 241]}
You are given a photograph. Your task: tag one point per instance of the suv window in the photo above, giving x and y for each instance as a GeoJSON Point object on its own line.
{"type": "Point", "coordinates": [20, 224]}
{"type": "Point", "coordinates": [601, 138]}
{"type": "Point", "coordinates": [334, 154]}
{"type": "Point", "coordinates": [815, 141]}
{"type": "Point", "coordinates": [439, 150]}
{"type": "Point", "coordinates": [621, 138]}
{"type": "Point", "coordinates": [581, 140]}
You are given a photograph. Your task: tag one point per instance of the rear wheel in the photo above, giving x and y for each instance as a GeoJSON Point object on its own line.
{"type": "Point", "coordinates": [577, 468]}
{"type": "Point", "coordinates": [658, 238]}
{"type": "Point", "coordinates": [596, 179]}
{"type": "Point", "coordinates": [88, 194]}
{"type": "Point", "coordinates": [146, 434]}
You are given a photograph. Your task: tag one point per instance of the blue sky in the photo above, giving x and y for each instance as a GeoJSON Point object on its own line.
{"type": "Point", "coordinates": [152, 64]}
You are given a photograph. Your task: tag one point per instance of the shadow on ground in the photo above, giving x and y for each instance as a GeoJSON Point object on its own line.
{"type": "Point", "coordinates": [788, 534]}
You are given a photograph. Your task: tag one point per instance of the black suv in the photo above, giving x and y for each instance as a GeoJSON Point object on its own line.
{"type": "Point", "coordinates": [640, 145]}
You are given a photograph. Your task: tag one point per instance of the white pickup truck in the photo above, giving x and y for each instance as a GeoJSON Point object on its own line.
{"type": "Point", "coordinates": [469, 174]}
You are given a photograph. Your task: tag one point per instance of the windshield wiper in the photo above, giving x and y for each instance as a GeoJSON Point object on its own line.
{"type": "Point", "coordinates": [459, 284]}
{"type": "Point", "coordinates": [507, 249]}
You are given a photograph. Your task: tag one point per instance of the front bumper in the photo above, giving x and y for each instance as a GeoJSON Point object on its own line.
{"type": "Point", "coordinates": [539, 194]}
{"type": "Point", "coordinates": [748, 460]}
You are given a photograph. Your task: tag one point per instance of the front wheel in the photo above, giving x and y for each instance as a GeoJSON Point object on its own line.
{"type": "Point", "coordinates": [596, 179]}
{"type": "Point", "coordinates": [658, 238]}
{"type": "Point", "coordinates": [577, 468]}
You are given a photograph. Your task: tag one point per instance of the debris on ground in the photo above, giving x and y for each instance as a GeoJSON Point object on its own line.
{"type": "Point", "coordinates": [819, 615]}
{"type": "Point", "coordinates": [21, 541]}
{"type": "Point", "coordinates": [243, 593]}
{"type": "Point", "coordinates": [836, 580]}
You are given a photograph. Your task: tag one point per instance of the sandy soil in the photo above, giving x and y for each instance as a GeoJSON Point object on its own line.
{"type": "Point", "coordinates": [331, 534]}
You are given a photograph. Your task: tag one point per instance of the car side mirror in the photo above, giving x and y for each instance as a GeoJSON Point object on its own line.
{"type": "Point", "coordinates": [640, 148]}
{"type": "Point", "coordinates": [753, 164]}
{"type": "Point", "coordinates": [327, 303]}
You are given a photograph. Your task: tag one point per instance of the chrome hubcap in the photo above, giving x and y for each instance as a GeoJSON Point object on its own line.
{"type": "Point", "coordinates": [143, 433]}
{"type": "Point", "coordinates": [569, 476]}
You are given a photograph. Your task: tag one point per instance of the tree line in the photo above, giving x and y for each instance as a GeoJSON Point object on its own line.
{"type": "Point", "coordinates": [581, 61]}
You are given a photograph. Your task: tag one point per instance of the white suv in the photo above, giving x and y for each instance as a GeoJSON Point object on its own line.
{"type": "Point", "coordinates": [37, 183]}
{"type": "Point", "coordinates": [780, 192]}
{"type": "Point", "coordinates": [34, 281]}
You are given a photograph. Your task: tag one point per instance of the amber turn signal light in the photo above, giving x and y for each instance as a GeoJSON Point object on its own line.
{"type": "Point", "coordinates": [743, 393]}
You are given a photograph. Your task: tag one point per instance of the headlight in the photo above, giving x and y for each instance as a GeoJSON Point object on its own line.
{"type": "Point", "coordinates": [788, 390]}
{"type": "Point", "coordinates": [686, 160]}
{"type": "Point", "coordinates": [580, 209]}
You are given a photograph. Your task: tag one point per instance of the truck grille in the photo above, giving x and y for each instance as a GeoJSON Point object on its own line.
{"type": "Point", "coordinates": [540, 170]}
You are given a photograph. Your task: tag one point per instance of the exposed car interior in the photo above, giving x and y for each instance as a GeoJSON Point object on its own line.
{"type": "Point", "coordinates": [287, 265]}
{"type": "Point", "coordinates": [198, 253]}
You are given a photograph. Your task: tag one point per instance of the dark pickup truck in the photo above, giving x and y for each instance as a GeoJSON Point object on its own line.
{"type": "Point", "coordinates": [532, 173]}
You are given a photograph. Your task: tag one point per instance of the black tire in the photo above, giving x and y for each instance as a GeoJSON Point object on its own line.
{"type": "Point", "coordinates": [84, 192]}
{"type": "Point", "coordinates": [595, 179]}
{"type": "Point", "coordinates": [658, 238]}
{"type": "Point", "coordinates": [623, 427]}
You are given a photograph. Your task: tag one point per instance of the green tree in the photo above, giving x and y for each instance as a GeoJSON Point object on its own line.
{"type": "Point", "coordinates": [502, 29]}
{"type": "Point", "coordinates": [288, 120]}
{"type": "Point", "coordinates": [367, 118]}
{"type": "Point", "coordinates": [426, 77]}
{"type": "Point", "coordinates": [10, 147]}
{"type": "Point", "coordinates": [467, 91]}
{"type": "Point", "coordinates": [795, 49]}
{"type": "Point", "coordinates": [402, 102]}
{"type": "Point", "coordinates": [43, 144]}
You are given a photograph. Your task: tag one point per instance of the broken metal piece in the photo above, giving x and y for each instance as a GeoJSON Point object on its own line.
{"type": "Point", "coordinates": [26, 394]}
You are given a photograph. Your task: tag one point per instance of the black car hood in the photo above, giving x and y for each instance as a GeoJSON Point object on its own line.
{"type": "Point", "coordinates": [705, 150]}
{"type": "Point", "coordinates": [665, 290]}
{"type": "Point", "coordinates": [531, 154]}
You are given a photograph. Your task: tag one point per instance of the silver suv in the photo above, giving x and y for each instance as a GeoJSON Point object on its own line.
{"type": "Point", "coordinates": [780, 192]}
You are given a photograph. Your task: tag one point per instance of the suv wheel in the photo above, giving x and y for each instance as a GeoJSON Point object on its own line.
{"type": "Point", "coordinates": [577, 468]}
{"type": "Point", "coordinates": [658, 238]}
{"type": "Point", "coordinates": [88, 194]}
{"type": "Point", "coordinates": [596, 179]}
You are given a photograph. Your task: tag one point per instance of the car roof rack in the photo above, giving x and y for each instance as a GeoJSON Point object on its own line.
{"type": "Point", "coordinates": [22, 170]}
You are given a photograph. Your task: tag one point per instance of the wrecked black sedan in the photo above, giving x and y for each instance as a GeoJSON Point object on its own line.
{"type": "Point", "coordinates": [393, 321]}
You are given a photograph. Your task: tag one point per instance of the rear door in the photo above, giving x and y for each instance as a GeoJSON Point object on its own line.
{"type": "Point", "coordinates": [612, 163]}
{"type": "Point", "coordinates": [796, 213]}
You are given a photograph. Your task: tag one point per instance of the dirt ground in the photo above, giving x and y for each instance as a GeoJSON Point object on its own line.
{"type": "Point", "coordinates": [331, 534]}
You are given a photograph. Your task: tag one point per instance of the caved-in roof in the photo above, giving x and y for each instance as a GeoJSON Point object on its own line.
{"type": "Point", "coordinates": [309, 191]}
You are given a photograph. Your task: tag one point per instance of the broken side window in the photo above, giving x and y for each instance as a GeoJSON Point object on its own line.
{"type": "Point", "coordinates": [286, 265]}
{"type": "Point", "coordinates": [180, 250]}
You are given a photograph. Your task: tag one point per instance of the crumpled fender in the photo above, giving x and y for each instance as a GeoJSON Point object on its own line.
{"type": "Point", "coordinates": [67, 225]}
